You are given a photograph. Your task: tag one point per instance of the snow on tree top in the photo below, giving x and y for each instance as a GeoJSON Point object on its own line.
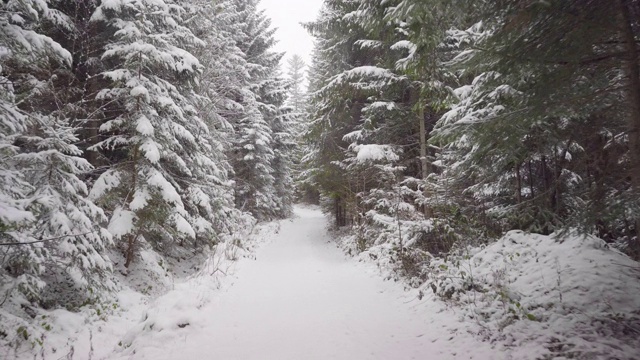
{"type": "Point", "coordinates": [374, 152]}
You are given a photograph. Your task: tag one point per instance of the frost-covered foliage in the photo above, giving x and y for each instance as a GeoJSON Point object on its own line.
{"type": "Point", "coordinates": [51, 233]}
{"type": "Point", "coordinates": [503, 127]}
{"type": "Point", "coordinates": [296, 77]}
{"type": "Point", "coordinates": [16, 20]}
{"type": "Point", "coordinates": [156, 136]}
{"type": "Point", "coordinates": [22, 50]}
{"type": "Point", "coordinates": [531, 136]}
{"type": "Point", "coordinates": [118, 119]}
{"type": "Point", "coordinates": [296, 105]}
{"type": "Point", "coordinates": [210, 200]}
{"type": "Point", "coordinates": [574, 295]}
{"type": "Point", "coordinates": [259, 149]}
{"type": "Point", "coordinates": [371, 118]}
{"type": "Point", "coordinates": [73, 247]}
{"type": "Point", "coordinates": [440, 125]}
{"type": "Point", "coordinates": [53, 247]}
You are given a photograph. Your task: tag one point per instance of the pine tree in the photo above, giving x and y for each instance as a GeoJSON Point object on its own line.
{"type": "Point", "coordinates": [332, 115]}
{"type": "Point", "coordinates": [151, 138]}
{"type": "Point", "coordinates": [297, 101]}
{"type": "Point", "coordinates": [74, 243]}
{"type": "Point", "coordinates": [530, 130]}
{"type": "Point", "coordinates": [21, 51]}
{"type": "Point", "coordinates": [380, 84]}
{"type": "Point", "coordinates": [284, 145]}
{"type": "Point", "coordinates": [262, 98]}
{"type": "Point", "coordinates": [208, 193]}
{"type": "Point", "coordinates": [56, 243]}
{"type": "Point", "coordinates": [296, 97]}
{"type": "Point", "coordinates": [378, 101]}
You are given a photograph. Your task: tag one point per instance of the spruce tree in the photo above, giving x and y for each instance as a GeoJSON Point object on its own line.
{"type": "Point", "coordinates": [540, 124]}
{"type": "Point", "coordinates": [260, 126]}
{"type": "Point", "coordinates": [56, 244]}
{"type": "Point", "coordinates": [151, 137]}
{"type": "Point", "coordinates": [295, 74]}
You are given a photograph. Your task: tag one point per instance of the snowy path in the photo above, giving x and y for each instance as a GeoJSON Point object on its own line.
{"type": "Point", "coordinates": [302, 299]}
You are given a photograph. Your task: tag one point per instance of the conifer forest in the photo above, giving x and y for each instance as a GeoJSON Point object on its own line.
{"type": "Point", "coordinates": [484, 154]}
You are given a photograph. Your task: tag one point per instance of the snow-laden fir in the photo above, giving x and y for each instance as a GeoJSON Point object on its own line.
{"type": "Point", "coordinates": [482, 157]}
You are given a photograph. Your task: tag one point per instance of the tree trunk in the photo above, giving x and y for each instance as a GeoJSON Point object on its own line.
{"type": "Point", "coordinates": [340, 212]}
{"type": "Point", "coordinates": [92, 139]}
{"type": "Point", "coordinates": [424, 161]}
{"type": "Point", "coordinates": [131, 239]}
{"type": "Point", "coordinates": [399, 199]}
{"type": "Point", "coordinates": [518, 184]}
{"type": "Point", "coordinates": [130, 252]}
{"type": "Point", "coordinates": [533, 192]}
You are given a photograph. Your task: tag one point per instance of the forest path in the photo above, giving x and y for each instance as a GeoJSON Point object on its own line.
{"type": "Point", "coordinates": [303, 299]}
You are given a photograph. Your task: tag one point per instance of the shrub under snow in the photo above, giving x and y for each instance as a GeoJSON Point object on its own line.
{"type": "Point", "coordinates": [539, 297]}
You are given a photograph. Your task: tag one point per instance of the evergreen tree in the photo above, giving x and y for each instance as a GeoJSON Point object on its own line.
{"type": "Point", "coordinates": [380, 101]}
{"type": "Point", "coordinates": [22, 50]}
{"type": "Point", "coordinates": [549, 108]}
{"type": "Point", "coordinates": [295, 73]}
{"type": "Point", "coordinates": [253, 155]}
{"type": "Point", "coordinates": [56, 246]}
{"type": "Point", "coordinates": [151, 137]}
{"type": "Point", "coordinates": [332, 115]}
{"type": "Point", "coordinates": [209, 193]}
{"type": "Point", "coordinates": [297, 101]}
{"type": "Point", "coordinates": [284, 145]}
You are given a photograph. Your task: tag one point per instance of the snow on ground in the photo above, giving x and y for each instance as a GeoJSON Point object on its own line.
{"type": "Point", "coordinates": [300, 299]}
{"type": "Point", "coordinates": [100, 329]}
{"type": "Point", "coordinates": [533, 296]}
{"type": "Point", "coordinates": [571, 297]}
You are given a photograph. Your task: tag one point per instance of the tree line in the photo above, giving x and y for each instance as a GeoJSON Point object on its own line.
{"type": "Point", "coordinates": [133, 124]}
{"type": "Point", "coordinates": [438, 123]}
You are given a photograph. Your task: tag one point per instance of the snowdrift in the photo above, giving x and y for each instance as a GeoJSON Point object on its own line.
{"type": "Point", "coordinates": [548, 296]}
{"type": "Point", "coordinates": [158, 299]}
{"type": "Point", "coordinates": [535, 296]}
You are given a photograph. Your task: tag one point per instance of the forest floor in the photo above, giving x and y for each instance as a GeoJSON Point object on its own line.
{"type": "Point", "coordinates": [301, 298]}
{"type": "Point", "coordinates": [287, 291]}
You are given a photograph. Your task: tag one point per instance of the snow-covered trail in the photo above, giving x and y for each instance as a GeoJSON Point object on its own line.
{"type": "Point", "coordinates": [302, 299]}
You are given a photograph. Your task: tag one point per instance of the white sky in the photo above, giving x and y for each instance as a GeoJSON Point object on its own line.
{"type": "Point", "coordinates": [286, 15]}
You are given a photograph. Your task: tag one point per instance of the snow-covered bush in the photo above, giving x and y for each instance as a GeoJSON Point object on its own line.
{"type": "Point", "coordinates": [54, 247]}
{"type": "Point", "coordinates": [114, 132]}
{"type": "Point", "coordinates": [154, 132]}
{"type": "Point", "coordinates": [572, 294]}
